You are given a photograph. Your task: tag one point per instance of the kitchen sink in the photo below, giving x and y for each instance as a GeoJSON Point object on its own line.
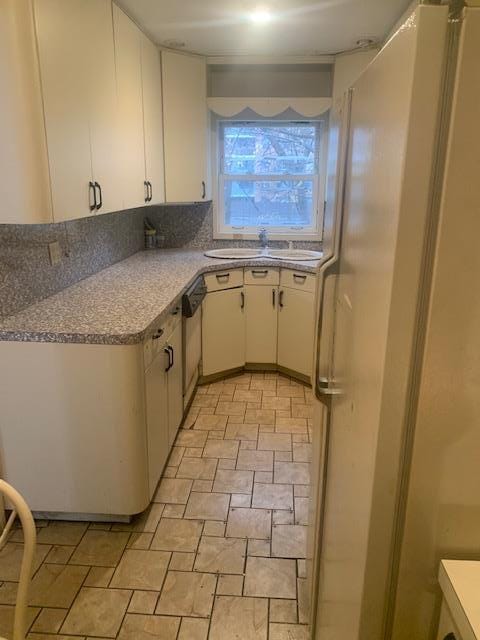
{"type": "Point", "coordinates": [279, 254]}
{"type": "Point", "coordinates": [294, 254]}
{"type": "Point", "coordinates": [235, 254]}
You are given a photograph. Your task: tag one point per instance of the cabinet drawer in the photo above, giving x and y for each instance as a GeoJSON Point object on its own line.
{"type": "Point", "coordinates": [224, 279]}
{"type": "Point", "coordinates": [297, 280]}
{"type": "Point", "coordinates": [261, 275]}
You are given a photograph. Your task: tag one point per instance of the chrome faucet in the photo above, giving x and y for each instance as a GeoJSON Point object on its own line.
{"type": "Point", "coordinates": [263, 237]}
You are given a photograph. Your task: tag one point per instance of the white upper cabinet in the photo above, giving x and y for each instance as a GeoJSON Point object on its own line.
{"type": "Point", "coordinates": [130, 103]}
{"type": "Point", "coordinates": [153, 122]}
{"type": "Point", "coordinates": [81, 125]}
{"type": "Point", "coordinates": [62, 33]}
{"type": "Point", "coordinates": [185, 126]}
{"type": "Point", "coordinates": [24, 171]}
{"type": "Point", "coordinates": [104, 114]}
{"type": "Point", "coordinates": [77, 66]}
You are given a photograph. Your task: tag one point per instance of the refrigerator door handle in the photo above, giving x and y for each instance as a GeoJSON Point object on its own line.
{"type": "Point", "coordinates": [328, 268]}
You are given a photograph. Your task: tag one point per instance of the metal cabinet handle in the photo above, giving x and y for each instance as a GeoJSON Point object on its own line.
{"type": "Point", "coordinates": [167, 351]}
{"type": "Point", "coordinates": [100, 196]}
{"type": "Point", "coordinates": [274, 297]}
{"type": "Point", "coordinates": [299, 278]}
{"type": "Point", "coordinates": [158, 335]}
{"type": "Point", "coordinates": [204, 190]}
{"type": "Point", "coordinates": [145, 184]}
{"type": "Point", "coordinates": [260, 273]}
{"type": "Point", "coordinates": [242, 300]}
{"type": "Point", "coordinates": [223, 277]}
{"type": "Point", "coordinates": [280, 299]}
{"type": "Point", "coordinates": [91, 187]}
{"type": "Point", "coordinates": [172, 352]}
{"type": "Point", "coordinates": [324, 390]}
{"type": "Point", "coordinates": [150, 191]}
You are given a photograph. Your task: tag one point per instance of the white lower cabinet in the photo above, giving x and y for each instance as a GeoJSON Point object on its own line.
{"type": "Point", "coordinates": [295, 330]}
{"type": "Point", "coordinates": [261, 316]}
{"type": "Point", "coordinates": [223, 330]}
{"type": "Point", "coordinates": [261, 310]}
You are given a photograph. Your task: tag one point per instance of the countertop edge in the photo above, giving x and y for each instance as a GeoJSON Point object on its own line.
{"type": "Point", "coordinates": [11, 335]}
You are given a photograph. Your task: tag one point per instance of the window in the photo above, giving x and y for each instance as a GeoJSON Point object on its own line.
{"type": "Point", "coordinates": [269, 176]}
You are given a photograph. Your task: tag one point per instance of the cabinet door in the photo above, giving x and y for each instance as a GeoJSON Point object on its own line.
{"type": "Point", "coordinates": [24, 176]}
{"type": "Point", "coordinates": [63, 36]}
{"type": "Point", "coordinates": [261, 323]}
{"type": "Point", "coordinates": [295, 330]}
{"type": "Point", "coordinates": [103, 107]}
{"type": "Point", "coordinates": [130, 105]}
{"type": "Point", "coordinates": [153, 119]}
{"type": "Point", "coordinates": [157, 418]}
{"type": "Point", "coordinates": [223, 331]}
{"type": "Point", "coordinates": [175, 383]}
{"type": "Point", "coordinates": [185, 126]}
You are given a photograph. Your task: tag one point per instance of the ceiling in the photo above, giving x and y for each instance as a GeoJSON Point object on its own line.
{"type": "Point", "coordinates": [296, 28]}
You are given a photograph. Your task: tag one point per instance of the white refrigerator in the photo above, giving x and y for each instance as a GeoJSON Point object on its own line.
{"type": "Point", "coordinates": [396, 471]}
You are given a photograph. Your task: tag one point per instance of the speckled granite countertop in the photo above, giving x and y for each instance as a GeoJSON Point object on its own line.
{"type": "Point", "coordinates": [124, 303]}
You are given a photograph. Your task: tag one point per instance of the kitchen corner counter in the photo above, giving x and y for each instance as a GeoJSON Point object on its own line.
{"type": "Point", "coordinates": [124, 303]}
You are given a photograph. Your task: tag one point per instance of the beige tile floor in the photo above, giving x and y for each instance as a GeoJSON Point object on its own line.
{"type": "Point", "coordinates": [220, 553]}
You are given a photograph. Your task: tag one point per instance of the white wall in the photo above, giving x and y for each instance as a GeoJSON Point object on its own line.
{"type": "Point", "coordinates": [348, 66]}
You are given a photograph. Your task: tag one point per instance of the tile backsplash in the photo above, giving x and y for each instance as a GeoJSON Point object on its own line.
{"type": "Point", "coordinates": [90, 244]}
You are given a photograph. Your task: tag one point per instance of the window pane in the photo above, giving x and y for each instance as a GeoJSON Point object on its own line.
{"type": "Point", "coordinates": [275, 203]}
{"type": "Point", "coordinates": [269, 150]}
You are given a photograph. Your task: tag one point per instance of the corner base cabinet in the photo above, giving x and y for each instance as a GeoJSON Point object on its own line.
{"type": "Point", "coordinates": [258, 316]}
{"type": "Point", "coordinates": [95, 433]}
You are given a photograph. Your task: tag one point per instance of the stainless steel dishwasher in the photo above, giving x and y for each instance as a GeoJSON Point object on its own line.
{"type": "Point", "coordinates": [192, 336]}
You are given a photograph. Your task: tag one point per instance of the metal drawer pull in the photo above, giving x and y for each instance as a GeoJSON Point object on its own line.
{"type": "Point", "coordinates": [280, 299]}
{"type": "Point", "coordinates": [299, 278]}
{"type": "Point", "coordinates": [274, 297]}
{"type": "Point", "coordinates": [242, 300]}
{"type": "Point", "coordinates": [145, 184]}
{"type": "Point", "coordinates": [223, 277]}
{"type": "Point", "coordinates": [93, 190]}
{"type": "Point", "coordinates": [262, 273]}
{"type": "Point", "coordinates": [158, 335]}
{"type": "Point", "coordinates": [100, 196]}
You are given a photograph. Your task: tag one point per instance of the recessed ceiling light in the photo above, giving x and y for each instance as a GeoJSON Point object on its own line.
{"type": "Point", "coordinates": [261, 15]}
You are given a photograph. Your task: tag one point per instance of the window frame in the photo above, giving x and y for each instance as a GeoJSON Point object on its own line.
{"type": "Point", "coordinates": [312, 232]}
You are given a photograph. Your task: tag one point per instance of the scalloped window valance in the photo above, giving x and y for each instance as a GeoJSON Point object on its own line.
{"type": "Point", "coordinates": [269, 107]}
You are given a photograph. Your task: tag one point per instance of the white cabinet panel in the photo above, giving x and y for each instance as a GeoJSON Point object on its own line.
{"type": "Point", "coordinates": [130, 101]}
{"type": "Point", "coordinates": [261, 323]}
{"type": "Point", "coordinates": [63, 30]}
{"type": "Point", "coordinates": [157, 417]}
{"type": "Point", "coordinates": [153, 119]}
{"type": "Point", "coordinates": [24, 174]}
{"type": "Point", "coordinates": [175, 382]}
{"type": "Point", "coordinates": [185, 126]}
{"type": "Point", "coordinates": [223, 331]}
{"type": "Point", "coordinates": [295, 330]}
{"type": "Point", "coordinates": [103, 107]}
{"type": "Point", "coordinates": [77, 66]}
